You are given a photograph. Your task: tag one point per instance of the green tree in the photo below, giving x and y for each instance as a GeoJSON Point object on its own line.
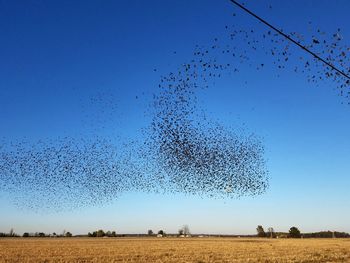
{"type": "Point", "coordinates": [260, 231]}
{"type": "Point", "coordinates": [294, 232]}
{"type": "Point", "coordinates": [100, 233]}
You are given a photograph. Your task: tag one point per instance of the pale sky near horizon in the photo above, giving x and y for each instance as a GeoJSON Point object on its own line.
{"type": "Point", "coordinates": [55, 54]}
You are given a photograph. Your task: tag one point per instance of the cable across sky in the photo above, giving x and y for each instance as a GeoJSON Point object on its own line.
{"type": "Point", "coordinates": [290, 39]}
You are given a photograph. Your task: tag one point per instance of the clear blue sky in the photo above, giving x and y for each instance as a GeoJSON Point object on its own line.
{"type": "Point", "coordinates": [54, 55]}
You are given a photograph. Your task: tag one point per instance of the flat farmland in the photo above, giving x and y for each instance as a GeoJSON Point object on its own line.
{"type": "Point", "coordinates": [173, 250]}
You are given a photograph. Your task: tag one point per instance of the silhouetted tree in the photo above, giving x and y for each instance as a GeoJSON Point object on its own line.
{"type": "Point", "coordinates": [161, 232]}
{"type": "Point", "coordinates": [69, 234]}
{"type": "Point", "coordinates": [294, 232]}
{"type": "Point", "coordinates": [260, 231]}
{"type": "Point", "coordinates": [26, 234]}
{"type": "Point", "coordinates": [12, 233]}
{"type": "Point", "coordinates": [185, 230]}
{"type": "Point", "coordinates": [100, 233]}
{"type": "Point", "coordinates": [150, 232]}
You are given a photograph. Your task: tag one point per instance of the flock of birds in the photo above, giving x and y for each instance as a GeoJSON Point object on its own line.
{"type": "Point", "coordinates": [62, 173]}
{"type": "Point", "coordinates": [198, 155]}
{"type": "Point", "coordinates": [284, 55]}
{"type": "Point", "coordinates": [182, 150]}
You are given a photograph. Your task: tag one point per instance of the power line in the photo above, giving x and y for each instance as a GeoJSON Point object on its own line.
{"type": "Point", "coordinates": [290, 39]}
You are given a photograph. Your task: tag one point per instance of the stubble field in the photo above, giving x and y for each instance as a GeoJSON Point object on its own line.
{"type": "Point", "coordinates": [173, 250]}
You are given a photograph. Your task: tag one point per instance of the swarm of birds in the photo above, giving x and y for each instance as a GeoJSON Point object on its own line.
{"type": "Point", "coordinates": [63, 173]}
{"type": "Point", "coordinates": [198, 155]}
{"type": "Point", "coordinates": [183, 150]}
{"type": "Point", "coordinates": [282, 54]}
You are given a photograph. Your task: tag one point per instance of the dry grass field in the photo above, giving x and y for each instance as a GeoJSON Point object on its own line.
{"type": "Point", "coordinates": [173, 250]}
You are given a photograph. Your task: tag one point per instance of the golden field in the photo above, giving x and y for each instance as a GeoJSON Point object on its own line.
{"type": "Point", "coordinates": [173, 250]}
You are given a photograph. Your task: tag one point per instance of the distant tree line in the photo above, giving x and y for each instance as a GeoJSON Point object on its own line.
{"type": "Point", "coordinates": [101, 233]}
{"type": "Point", "coordinates": [42, 234]}
{"type": "Point", "coordinates": [294, 232]}
{"type": "Point", "coordinates": [327, 234]}
{"type": "Point", "coordinates": [11, 233]}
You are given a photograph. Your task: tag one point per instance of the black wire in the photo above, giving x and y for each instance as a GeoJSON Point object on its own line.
{"type": "Point", "coordinates": [290, 39]}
